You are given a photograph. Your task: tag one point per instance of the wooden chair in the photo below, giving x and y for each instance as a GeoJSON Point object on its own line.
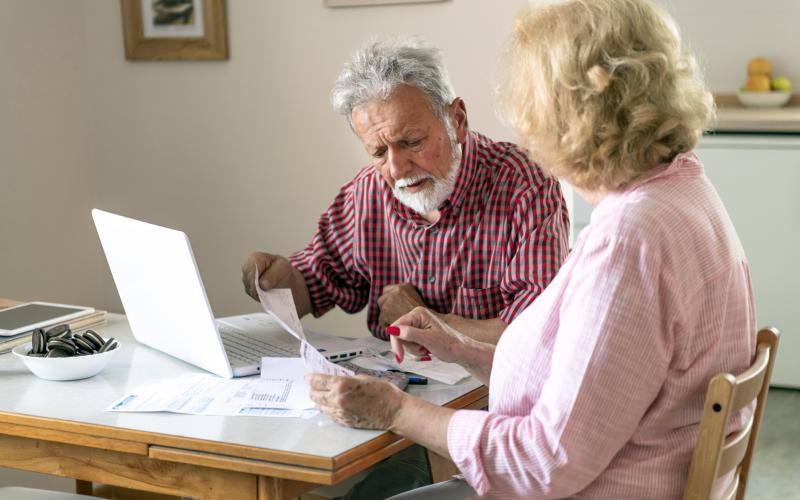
{"type": "Point", "coordinates": [716, 454]}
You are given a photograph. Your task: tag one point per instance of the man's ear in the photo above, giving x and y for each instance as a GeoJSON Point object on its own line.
{"type": "Point", "coordinates": [458, 113]}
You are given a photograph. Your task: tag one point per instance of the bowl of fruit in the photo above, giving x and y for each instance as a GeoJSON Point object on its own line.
{"type": "Point", "coordinates": [762, 90]}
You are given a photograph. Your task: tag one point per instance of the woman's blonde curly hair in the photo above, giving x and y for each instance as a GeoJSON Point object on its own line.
{"type": "Point", "coordinates": [601, 91]}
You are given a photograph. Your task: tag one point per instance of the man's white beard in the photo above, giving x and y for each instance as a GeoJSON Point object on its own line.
{"type": "Point", "coordinates": [431, 198]}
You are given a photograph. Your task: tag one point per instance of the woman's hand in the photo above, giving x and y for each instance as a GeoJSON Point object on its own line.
{"type": "Point", "coordinates": [363, 402]}
{"type": "Point", "coordinates": [421, 332]}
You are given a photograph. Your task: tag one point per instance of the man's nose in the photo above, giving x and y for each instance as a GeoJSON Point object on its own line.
{"type": "Point", "coordinates": [400, 165]}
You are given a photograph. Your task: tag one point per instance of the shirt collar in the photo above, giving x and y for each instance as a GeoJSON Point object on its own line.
{"type": "Point", "coordinates": [683, 164]}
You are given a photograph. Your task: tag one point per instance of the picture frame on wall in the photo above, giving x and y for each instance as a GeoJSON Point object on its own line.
{"type": "Point", "coordinates": [172, 30]}
{"type": "Point", "coordinates": [359, 3]}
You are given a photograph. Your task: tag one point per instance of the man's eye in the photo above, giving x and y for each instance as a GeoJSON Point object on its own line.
{"type": "Point", "coordinates": [413, 144]}
{"type": "Point", "coordinates": [379, 153]}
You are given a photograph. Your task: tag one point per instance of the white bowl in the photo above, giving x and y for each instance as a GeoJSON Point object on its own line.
{"type": "Point", "coordinates": [772, 99]}
{"type": "Point", "coordinates": [70, 368]}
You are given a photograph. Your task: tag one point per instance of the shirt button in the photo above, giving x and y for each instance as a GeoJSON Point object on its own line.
{"type": "Point", "coordinates": [432, 279]}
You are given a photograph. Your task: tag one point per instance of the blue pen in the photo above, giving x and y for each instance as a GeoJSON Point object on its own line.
{"type": "Point", "coordinates": [413, 378]}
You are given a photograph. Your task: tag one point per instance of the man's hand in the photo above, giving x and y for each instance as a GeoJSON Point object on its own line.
{"type": "Point", "coordinates": [275, 272]}
{"type": "Point", "coordinates": [397, 300]}
{"type": "Point", "coordinates": [363, 402]}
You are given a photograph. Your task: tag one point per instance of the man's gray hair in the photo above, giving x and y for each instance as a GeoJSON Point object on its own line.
{"type": "Point", "coordinates": [376, 70]}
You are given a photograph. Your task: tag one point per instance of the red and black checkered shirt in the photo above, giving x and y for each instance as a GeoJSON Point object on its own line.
{"type": "Point", "coordinates": [502, 236]}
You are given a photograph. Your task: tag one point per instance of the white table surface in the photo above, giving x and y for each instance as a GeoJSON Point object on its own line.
{"type": "Point", "coordinates": [135, 364]}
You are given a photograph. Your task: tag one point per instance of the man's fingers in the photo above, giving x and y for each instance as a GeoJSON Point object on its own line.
{"type": "Point", "coordinates": [256, 262]}
{"type": "Point", "coordinates": [275, 273]}
{"type": "Point", "coordinates": [248, 277]}
{"type": "Point", "coordinates": [383, 321]}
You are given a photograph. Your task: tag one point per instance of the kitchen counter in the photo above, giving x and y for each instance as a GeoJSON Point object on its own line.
{"type": "Point", "coordinates": [733, 117]}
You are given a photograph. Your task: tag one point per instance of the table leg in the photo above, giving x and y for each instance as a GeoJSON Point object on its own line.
{"type": "Point", "coordinates": [271, 488]}
{"type": "Point", "coordinates": [83, 487]}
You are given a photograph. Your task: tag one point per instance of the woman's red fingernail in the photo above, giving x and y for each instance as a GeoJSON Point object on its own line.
{"type": "Point", "coordinates": [397, 358]}
{"type": "Point", "coordinates": [393, 330]}
{"type": "Point", "coordinates": [425, 358]}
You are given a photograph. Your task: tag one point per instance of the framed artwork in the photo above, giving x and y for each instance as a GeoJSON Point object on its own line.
{"type": "Point", "coordinates": [357, 3]}
{"type": "Point", "coordinates": [169, 30]}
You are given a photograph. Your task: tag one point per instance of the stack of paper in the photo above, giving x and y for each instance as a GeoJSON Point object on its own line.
{"type": "Point", "coordinates": [206, 394]}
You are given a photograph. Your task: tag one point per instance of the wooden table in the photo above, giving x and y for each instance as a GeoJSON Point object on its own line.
{"type": "Point", "coordinates": [60, 428]}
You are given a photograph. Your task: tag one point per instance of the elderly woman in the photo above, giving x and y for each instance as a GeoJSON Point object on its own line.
{"type": "Point", "coordinates": [596, 390]}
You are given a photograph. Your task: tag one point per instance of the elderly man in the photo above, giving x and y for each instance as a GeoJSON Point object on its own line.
{"type": "Point", "coordinates": [442, 217]}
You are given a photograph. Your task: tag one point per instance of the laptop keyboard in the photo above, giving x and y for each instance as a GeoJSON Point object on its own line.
{"type": "Point", "coordinates": [243, 349]}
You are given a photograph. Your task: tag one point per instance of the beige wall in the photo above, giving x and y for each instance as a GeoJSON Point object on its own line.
{"type": "Point", "coordinates": [47, 182]}
{"type": "Point", "coordinates": [245, 154]}
{"type": "Point", "coordinates": [242, 154]}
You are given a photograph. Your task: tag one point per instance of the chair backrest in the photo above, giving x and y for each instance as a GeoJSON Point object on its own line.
{"type": "Point", "coordinates": [716, 454]}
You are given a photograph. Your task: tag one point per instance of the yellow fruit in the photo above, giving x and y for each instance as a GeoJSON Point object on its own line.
{"type": "Point", "coordinates": [757, 83]}
{"type": "Point", "coordinates": [781, 83]}
{"type": "Point", "coordinates": [759, 66]}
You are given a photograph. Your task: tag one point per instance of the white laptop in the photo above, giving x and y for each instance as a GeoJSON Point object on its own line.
{"type": "Point", "coordinates": [167, 307]}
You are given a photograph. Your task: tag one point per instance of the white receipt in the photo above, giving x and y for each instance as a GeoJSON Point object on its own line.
{"type": "Point", "coordinates": [279, 304]}
{"type": "Point", "coordinates": [317, 363]}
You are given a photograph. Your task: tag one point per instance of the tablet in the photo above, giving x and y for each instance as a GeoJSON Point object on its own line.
{"type": "Point", "coordinates": [26, 317]}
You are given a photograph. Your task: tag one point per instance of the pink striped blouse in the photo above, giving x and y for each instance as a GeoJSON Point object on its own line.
{"type": "Point", "coordinates": [597, 388]}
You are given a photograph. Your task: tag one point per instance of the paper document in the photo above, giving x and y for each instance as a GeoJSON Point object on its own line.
{"type": "Point", "coordinates": [204, 394]}
{"type": "Point", "coordinates": [317, 363]}
{"type": "Point", "coordinates": [288, 368]}
{"type": "Point", "coordinates": [448, 373]}
{"type": "Point", "coordinates": [279, 304]}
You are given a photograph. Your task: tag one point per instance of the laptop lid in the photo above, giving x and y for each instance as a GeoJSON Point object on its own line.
{"type": "Point", "coordinates": [161, 290]}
